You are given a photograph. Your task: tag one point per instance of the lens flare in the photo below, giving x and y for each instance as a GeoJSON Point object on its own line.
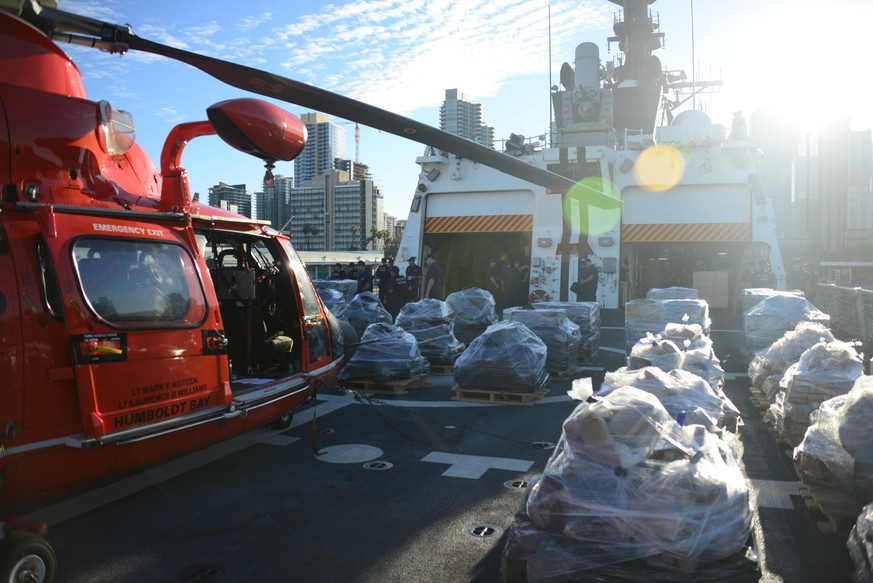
{"type": "Point", "coordinates": [598, 221]}
{"type": "Point", "coordinates": [659, 168]}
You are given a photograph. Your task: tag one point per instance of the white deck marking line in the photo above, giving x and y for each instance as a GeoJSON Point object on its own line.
{"type": "Point", "coordinates": [473, 467]}
{"type": "Point", "coordinates": [732, 376]}
{"type": "Point", "coordinates": [610, 349]}
{"type": "Point", "coordinates": [772, 493]}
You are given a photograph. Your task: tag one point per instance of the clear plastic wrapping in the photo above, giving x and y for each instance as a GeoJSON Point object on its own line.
{"type": "Point", "coordinates": [561, 336]}
{"type": "Point", "coordinates": [837, 449]}
{"type": "Point", "coordinates": [386, 353]}
{"type": "Point", "coordinates": [586, 315]}
{"type": "Point", "coordinates": [824, 371]}
{"type": "Point", "coordinates": [682, 346]}
{"type": "Point", "coordinates": [335, 301]}
{"type": "Point", "coordinates": [626, 481]}
{"type": "Point", "coordinates": [506, 357]}
{"type": "Point", "coordinates": [347, 287]}
{"type": "Point", "coordinates": [474, 310]}
{"type": "Point", "coordinates": [642, 316]}
{"type": "Point", "coordinates": [860, 545]}
{"type": "Point", "coordinates": [771, 318]}
{"type": "Point", "coordinates": [783, 353]}
{"type": "Point", "coordinates": [752, 296]}
{"type": "Point", "coordinates": [686, 397]}
{"type": "Point", "coordinates": [365, 309]}
{"type": "Point", "coordinates": [673, 293]}
{"type": "Point", "coordinates": [432, 323]}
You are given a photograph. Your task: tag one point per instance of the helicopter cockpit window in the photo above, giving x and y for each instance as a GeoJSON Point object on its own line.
{"type": "Point", "coordinates": [139, 283]}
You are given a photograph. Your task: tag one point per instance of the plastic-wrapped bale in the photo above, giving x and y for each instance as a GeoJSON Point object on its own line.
{"type": "Point", "coordinates": [586, 315]}
{"type": "Point", "coordinates": [673, 293]}
{"type": "Point", "coordinates": [642, 316]}
{"type": "Point", "coordinates": [860, 545]}
{"type": "Point", "coordinates": [771, 318]}
{"type": "Point", "coordinates": [387, 353]}
{"type": "Point", "coordinates": [474, 310]}
{"type": "Point", "coordinates": [561, 336]}
{"type": "Point", "coordinates": [536, 555]}
{"type": "Point", "coordinates": [347, 287]}
{"type": "Point", "coordinates": [432, 323]}
{"type": "Point", "coordinates": [335, 301]}
{"type": "Point", "coordinates": [683, 346]}
{"type": "Point", "coordinates": [824, 371]}
{"type": "Point", "coordinates": [627, 482]}
{"type": "Point", "coordinates": [365, 309]}
{"type": "Point", "coordinates": [752, 296]}
{"type": "Point", "coordinates": [837, 450]}
{"type": "Point", "coordinates": [687, 397]}
{"type": "Point", "coordinates": [506, 357]}
{"type": "Point", "coordinates": [766, 369]}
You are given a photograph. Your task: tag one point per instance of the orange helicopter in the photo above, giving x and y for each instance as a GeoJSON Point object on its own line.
{"type": "Point", "coordinates": [136, 324]}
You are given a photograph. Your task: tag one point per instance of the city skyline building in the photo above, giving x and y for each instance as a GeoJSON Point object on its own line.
{"type": "Point", "coordinates": [326, 142]}
{"type": "Point", "coordinates": [233, 197]}
{"type": "Point", "coordinates": [459, 115]}
{"type": "Point", "coordinates": [274, 203]}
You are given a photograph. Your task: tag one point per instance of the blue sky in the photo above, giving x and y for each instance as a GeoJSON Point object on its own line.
{"type": "Point", "coordinates": [401, 55]}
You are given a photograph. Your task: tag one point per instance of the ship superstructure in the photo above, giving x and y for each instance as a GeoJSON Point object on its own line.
{"type": "Point", "coordinates": [693, 213]}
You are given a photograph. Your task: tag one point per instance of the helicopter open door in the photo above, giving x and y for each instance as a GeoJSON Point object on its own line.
{"type": "Point", "coordinates": [147, 352]}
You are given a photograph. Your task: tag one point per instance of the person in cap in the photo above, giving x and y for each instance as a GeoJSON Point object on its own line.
{"type": "Point", "coordinates": [338, 272]}
{"type": "Point", "coordinates": [761, 276]}
{"type": "Point", "coordinates": [365, 278]}
{"type": "Point", "coordinates": [586, 287]}
{"type": "Point", "coordinates": [493, 283]}
{"type": "Point", "coordinates": [413, 277]}
{"type": "Point", "coordinates": [383, 274]}
{"type": "Point", "coordinates": [398, 292]}
{"type": "Point", "coordinates": [812, 285]}
{"type": "Point", "coordinates": [797, 278]}
{"type": "Point", "coordinates": [433, 279]}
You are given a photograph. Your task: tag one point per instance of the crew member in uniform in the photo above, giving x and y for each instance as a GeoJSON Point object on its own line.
{"type": "Point", "coordinates": [413, 277]}
{"type": "Point", "coordinates": [587, 288]}
{"type": "Point", "coordinates": [433, 280]}
{"type": "Point", "coordinates": [365, 278]}
{"type": "Point", "coordinates": [383, 274]}
{"type": "Point", "coordinates": [337, 272]}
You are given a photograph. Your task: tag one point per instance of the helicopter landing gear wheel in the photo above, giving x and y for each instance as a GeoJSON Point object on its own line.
{"type": "Point", "coordinates": [283, 422]}
{"type": "Point", "coordinates": [26, 557]}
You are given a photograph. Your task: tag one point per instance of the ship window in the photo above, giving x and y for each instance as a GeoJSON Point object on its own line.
{"type": "Point", "coordinates": [139, 284]}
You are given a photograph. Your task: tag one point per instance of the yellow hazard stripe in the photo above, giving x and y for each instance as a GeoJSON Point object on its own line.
{"type": "Point", "coordinates": [677, 232]}
{"type": "Point", "coordinates": [479, 224]}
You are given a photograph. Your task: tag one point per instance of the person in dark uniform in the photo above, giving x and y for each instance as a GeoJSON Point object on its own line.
{"type": "Point", "coordinates": [587, 288]}
{"type": "Point", "coordinates": [511, 284]}
{"type": "Point", "coordinates": [433, 280]}
{"type": "Point", "coordinates": [338, 272]}
{"type": "Point", "coordinates": [397, 294]}
{"type": "Point", "coordinates": [797, 278]}
{"type": "Point", "coordinates": [383, 274]}
{"type": "Point", "coordinates": [413, 276]}
{"type": "Point", "coordinates": [365, 278]}
{"type": "Point", "coordinates": [812, 286]}
{"type": "Point", "coordinates": [523, 282]}
{"type": "Point", "coordinates": [493, 283]}
{"type": "Point", "coordinates": [760, 277]}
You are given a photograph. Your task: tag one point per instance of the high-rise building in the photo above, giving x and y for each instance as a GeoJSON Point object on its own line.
{"type": "Point", "coordinates": [228, 196]}
{"type": "Point", "coordinates": [777, 137]}
{"type": "Point", "coordinates": [859, 198]}
{"type": "Point", "coordinates": [462, 117]}
{"type": "Point", "coordinates": [326, 141]}
{"type": "Point", "coordinates": [274, 203]}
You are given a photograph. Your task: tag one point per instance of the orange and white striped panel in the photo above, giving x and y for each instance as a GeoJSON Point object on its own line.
{"type": "Point", "coordinates": [479, 224]}
{"type": "Point", "coordinates": [685, 232]}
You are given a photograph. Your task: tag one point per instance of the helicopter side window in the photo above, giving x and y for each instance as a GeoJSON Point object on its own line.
{"type": "Point", "coordinates": [139, 283]}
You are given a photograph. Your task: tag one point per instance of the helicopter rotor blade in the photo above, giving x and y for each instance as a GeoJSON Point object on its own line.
{"type": "Point", "coordinates": [119, 38]}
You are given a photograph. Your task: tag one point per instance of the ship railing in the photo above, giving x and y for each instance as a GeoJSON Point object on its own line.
{"type": "Point", "coordinates": [850, 309]}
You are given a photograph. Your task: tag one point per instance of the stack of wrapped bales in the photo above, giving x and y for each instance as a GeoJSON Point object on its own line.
{"type": "Point", "coordinates": [860, 545]}
{"type": "Point", "coordinates": [766, 368]}
{"type": "Point", "coordinates": [586, 315]}
{"type": "Point", "coordinates": [432, 323]}
{"type": "Point", "coordinates": [506, 357]}
{"type": "Point", "coordinates": [687, 397]}
{"type": "Point", "coordinates": [474, 311]}
{"type": "Point", "coordinates": [628, 492]}
{"type": "Point", "coordinates": [772, 317]}
{"type": "Point", "coordinates": [682, 346]}
{"type": "Point", "coordinates": [365, 309]}
{"type": "Point", "coordinates": [347, 287]}
{"type": "Point", "coordinates": [387, 353]}
{"type": "Point", "coordinates": [642, 316]}
{"type": "Point", "coordinates": [561, 336]}
{"type": "Point", "coordinates": [837, 449]}
{"type": "Point", "coordinates": [752, 296]}
{"type": "Point", "coordinates": [335, 301]}
{"type": "Point", "coordinates": [824, 371]}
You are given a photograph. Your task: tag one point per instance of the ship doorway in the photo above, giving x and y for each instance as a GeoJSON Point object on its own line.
{"type": "Point", "coordinates": [710, 267]}
{"type": "Point", "coordinates": [465, 255]}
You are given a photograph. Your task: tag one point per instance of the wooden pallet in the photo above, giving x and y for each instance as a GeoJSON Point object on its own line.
{"type": "Point", "coordinates": [835, 511]}
{"type": "Point", "coordinates": [759, 400]}
{"type": "Point", "coordinates": [398, 387]}
{"type": "Point", "coordinates": [498, 397]}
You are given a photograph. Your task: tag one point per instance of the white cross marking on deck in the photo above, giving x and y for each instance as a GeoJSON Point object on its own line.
{"type": "Point", "coordinates": [772, 493]}
{"type": "Point", "coordinates": [474, 466]}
